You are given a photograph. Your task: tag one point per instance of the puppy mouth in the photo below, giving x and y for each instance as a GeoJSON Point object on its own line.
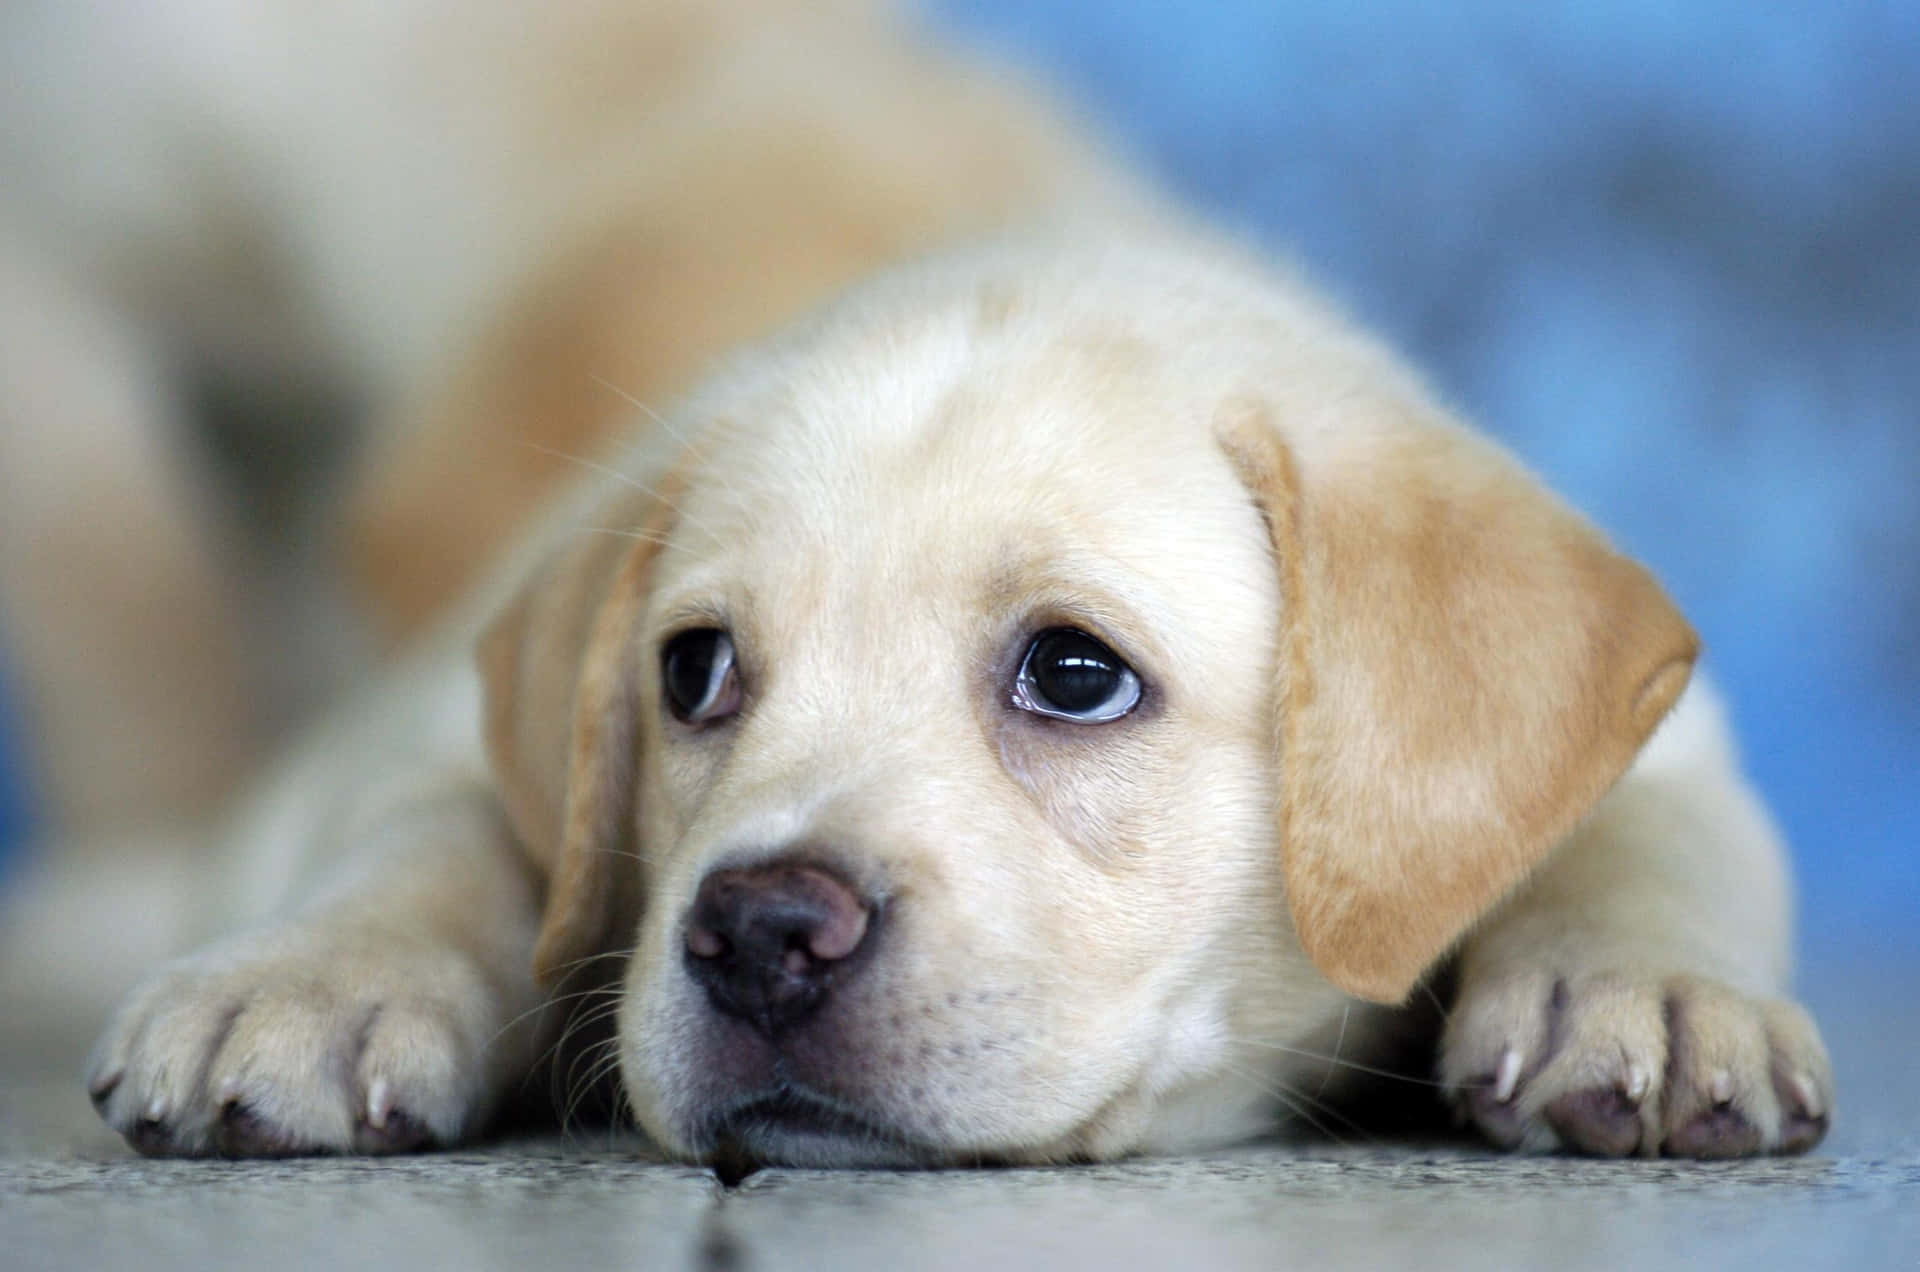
{"type": "Point", "coordinates": [789, 1125]}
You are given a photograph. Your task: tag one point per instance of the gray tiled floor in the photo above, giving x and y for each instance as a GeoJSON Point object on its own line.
{"type": "Point", "coordinates": [71, 1197]}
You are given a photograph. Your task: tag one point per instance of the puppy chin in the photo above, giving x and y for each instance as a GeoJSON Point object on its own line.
{"type": "Point", "coordinates": [778, 1118]}
{"type": "Point", "coordinates": [789, 1126]}
{"type": "Point", "coordinates": [739, 1105]}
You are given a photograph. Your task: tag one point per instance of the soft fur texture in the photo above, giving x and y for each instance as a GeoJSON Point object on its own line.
{"type": "Point", "coordinates": [1402, 713]}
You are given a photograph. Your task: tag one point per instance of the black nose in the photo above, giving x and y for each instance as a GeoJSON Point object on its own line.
{"type": "Point", "coordinates": [768, 943]}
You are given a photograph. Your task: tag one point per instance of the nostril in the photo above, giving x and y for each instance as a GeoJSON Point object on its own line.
{"type": "Point", "coordinates": [840, 931]}
{"type": "Point", "coordinates": [704, 942]}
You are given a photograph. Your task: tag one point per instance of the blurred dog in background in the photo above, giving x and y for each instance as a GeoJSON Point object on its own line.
{"type": "Point", "coordinates": [302, 311]}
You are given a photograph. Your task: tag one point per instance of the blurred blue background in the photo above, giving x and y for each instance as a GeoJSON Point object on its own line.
{"type": "Point", "coordinates": [13, 799]}
{"type": "Point", "coordinates": [1670, 252]}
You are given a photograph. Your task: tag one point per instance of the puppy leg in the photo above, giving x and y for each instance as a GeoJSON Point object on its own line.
{"type": "Point", "coordinates": [393, 1013]}
{"type": "Point", "coordinates": [1630, 997]}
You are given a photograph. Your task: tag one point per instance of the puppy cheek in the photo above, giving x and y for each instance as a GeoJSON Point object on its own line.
{"type": "Point", "coordinates": [1098, 792]}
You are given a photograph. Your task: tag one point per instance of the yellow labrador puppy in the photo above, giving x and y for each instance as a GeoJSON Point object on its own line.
{"type": "Point", "coordinates": [1033, 711]}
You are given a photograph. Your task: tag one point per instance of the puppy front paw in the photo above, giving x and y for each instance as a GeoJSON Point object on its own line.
{"type": "Point", "coordinates": [297, 1042]}
{"type": "Point", "coordinates": [1616, 1064]}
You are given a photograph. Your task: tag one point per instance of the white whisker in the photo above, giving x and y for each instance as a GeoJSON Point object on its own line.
{"type": "Point", "coordinates": [661, 539]}
{"type": "Point", "coordinates": [629, 481]}
{"type": "Point", "coordinates": [687, 444]}
{"type": "Point", "coordinates": [595, 465]}
{"type": "Point", "coordinates": [650, 413]}
{"type": "Point", "coordinates": [1302, 1105]}
{"type": "Point", "coordinates": [1345, 1014]}
{"type": "Point", "coordinates": [1336, 1060]}
{"type": "Point", "coordinates": [666, 543]}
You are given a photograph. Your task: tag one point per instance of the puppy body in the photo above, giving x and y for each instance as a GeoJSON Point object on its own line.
{"type": "Point", "coordinates": [1386, 692]}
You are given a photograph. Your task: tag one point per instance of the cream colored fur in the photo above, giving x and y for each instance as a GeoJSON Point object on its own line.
{"type": "Point", "coordinates": [1394, 698]}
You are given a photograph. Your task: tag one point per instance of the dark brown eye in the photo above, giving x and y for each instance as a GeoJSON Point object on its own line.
{"type": "Point", "coordinates": [1069, 675]}
{"type": "Point", "coordinates": [696, 669]}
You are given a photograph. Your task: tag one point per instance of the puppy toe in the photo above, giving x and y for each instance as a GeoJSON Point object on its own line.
{"type": "Point", "coordinates": [1500, 1121]}
{"type": "Point", "coordinates": [1599, 1090]}
{"type": "Point", "coordinates": [1719, 1093]}
{"type": "Point", "coordinates": [1495, 1042]}
{"type": "Point", "coordinates": [156, 1096]}
{"type": "Point", "coordinates": [388, 1128]}
{"type": "Point", "coordinates": [1803, 1112]}
{"type": "Point", "coordinates": [1801, 1075]}
{"type": "Point", "coordinates": [419, 1072]}
{"type": "Point", "coordinates": [101, 1086]}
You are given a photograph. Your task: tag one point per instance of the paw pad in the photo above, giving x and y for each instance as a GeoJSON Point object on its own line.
{"type": "Point", "coordinates": [244, 1132]}
{"type": "Point", "coordinates": [1601, 1120]}
{"type": "Point", "coordinates": [1721, 1131]}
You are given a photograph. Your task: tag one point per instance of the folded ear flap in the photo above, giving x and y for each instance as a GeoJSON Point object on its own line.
{"type": "Point", "coordinates": [560, 672]}
{"type": "Point", "coordinates": [1466, 668]}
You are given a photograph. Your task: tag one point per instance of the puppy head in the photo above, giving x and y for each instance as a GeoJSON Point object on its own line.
{"type": "Point", "coordinates": [1036, 690]}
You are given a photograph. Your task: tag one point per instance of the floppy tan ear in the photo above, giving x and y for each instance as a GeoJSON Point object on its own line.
{"type": "Point", "coordinates": [560, 669]}
{"type": "Point", "coordinates": [1466, 668]}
